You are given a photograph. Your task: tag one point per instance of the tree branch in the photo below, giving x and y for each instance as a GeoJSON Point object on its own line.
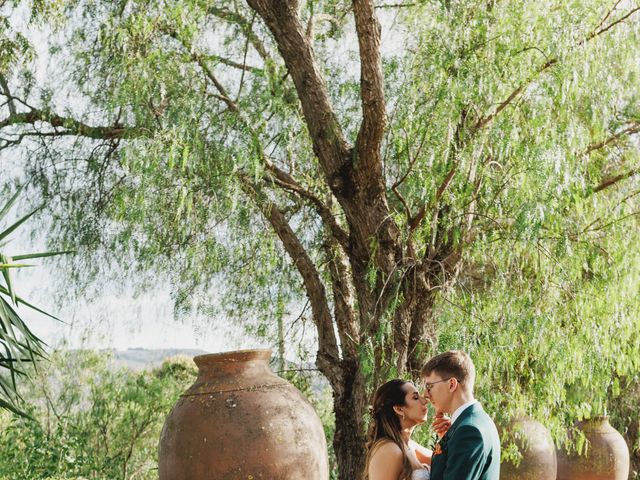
{"type": "Point", "coordinates": [329, 143]}
{"type": "Point", "coordinates": [456, 145]}
{"type": "Point", "coordinates": [244, 60]}
{"type": "Point", "coordinates": [614, 222]}
{"type": "Point", "coordinates": [371, 89]}
{"type": "Point", "coordinates": [412, 158]}
{"type": "Point", "coordinates": [610, 181]}
{"type": "Point", "coordinates": [632, 129]}
{"type": "Point", "coordinates": [597, 32]}
{"type": "Point", "coordinates": [483, 121]}
{"type": "Point", "coordinates": [422, 331]}
{"type": "Point", "coordinates": [223, 95]}
{"type": "Point", "coordinates": [172, 33]}
{"type": "Point", "coordinates": [286, 181]}
{"type": "Point", "coordinates": [231, 63]}
{"type": "Point", "coordinates": [608, 14]}
{"type": "Point", "coordinates": [396, 5]}
{"type": "Point", "coordinates": [7, 93]}
{"type": "Point", "coordinates": [72, 126]}
{"type": "Point", "coordinates": [19, 137]}
{"type": "Point", "coordinates": [343, 300]}
{"type": "Point", "coordinates": [328, 354]}
{"type": "Point", "coordinates": [246, 27]}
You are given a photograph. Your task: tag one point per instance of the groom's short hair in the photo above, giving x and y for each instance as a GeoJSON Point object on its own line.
{"type": "Point", "coordinates": [454, 363]}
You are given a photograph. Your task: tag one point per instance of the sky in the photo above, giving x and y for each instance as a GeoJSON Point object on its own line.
{"type": "Point", "coordinates": [117, 320]}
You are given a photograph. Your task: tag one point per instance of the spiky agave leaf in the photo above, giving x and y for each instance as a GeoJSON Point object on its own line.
{"type": "Point", "coordinates": [19, 346]}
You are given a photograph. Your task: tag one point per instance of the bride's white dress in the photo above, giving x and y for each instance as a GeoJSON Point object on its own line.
{"type": "Point", "coordinates": [420, 471]}
{"type": "Point", "coordinates": [421, 474]}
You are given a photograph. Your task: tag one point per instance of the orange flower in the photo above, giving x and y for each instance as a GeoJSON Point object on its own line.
{"type": "Point", "coordinates": [438, 449]}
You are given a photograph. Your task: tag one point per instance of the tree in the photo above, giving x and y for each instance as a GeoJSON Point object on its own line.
{"type": "Point", "coordinates": [223, 140]}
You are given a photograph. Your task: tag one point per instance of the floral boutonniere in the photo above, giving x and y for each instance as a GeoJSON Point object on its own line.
{"type": "Point", "coordinates": [438, 449]}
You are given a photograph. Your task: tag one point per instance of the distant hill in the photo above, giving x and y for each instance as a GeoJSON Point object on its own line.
{"type": "Point", "coordinates": [143, 358]}
{"type": "Point", "coordinates": [146, 359]}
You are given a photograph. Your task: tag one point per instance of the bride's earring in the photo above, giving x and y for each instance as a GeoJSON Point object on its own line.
{"type": "Point", "coordinates": [402, 416]}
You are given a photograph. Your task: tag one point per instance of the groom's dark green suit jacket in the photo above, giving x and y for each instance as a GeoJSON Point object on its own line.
{"type": "Point", "coordinates": [470, 450]}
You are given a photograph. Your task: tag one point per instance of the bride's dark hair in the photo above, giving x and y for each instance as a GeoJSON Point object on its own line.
{"type": "Point", "coordinates": [385, 423]}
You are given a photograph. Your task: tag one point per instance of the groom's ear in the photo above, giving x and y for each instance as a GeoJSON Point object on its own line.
{"type": "Point", "coordinates": [453, 384]}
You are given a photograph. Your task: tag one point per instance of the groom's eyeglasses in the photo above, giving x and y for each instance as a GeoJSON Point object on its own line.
{"type": "Point", "coordinates": [429, 386]}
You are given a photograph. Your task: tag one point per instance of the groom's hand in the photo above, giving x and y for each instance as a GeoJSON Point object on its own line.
{"type": "Point", "coordinates": [441, 424]}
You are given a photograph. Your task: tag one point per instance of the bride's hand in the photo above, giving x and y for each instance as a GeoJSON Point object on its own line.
{"type": "Point", "coordinates": [441, 424]}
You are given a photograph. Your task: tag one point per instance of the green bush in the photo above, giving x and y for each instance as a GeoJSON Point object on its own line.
{"type": "Point", "coordinates": [91, 420]}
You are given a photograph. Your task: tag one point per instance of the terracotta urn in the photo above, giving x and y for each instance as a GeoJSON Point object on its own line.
{"type": "Point", "coordinates": [241, 421]}
{"type": "Point", "coordinates": [606, 458]}
{"type": "Point", "coordinates": [538, 451]}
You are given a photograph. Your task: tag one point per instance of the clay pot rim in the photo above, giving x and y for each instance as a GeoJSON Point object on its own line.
{"type": "Point", "coordinates": [593, 424]}
{"type": "Point", "coordinates": [233, 356]}
{"type": "Point", "coordinates": [597, 419]}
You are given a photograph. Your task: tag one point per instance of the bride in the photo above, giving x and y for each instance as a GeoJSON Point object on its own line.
{"type": "Point", "coordinates": [391, 454]}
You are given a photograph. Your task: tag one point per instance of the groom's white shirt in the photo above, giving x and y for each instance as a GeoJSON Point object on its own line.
{"type": "Point", "coordinates": [461, 409]}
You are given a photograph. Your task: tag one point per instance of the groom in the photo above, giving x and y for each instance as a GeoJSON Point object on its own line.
{"type": "Point", "coordinates": [470, 450]}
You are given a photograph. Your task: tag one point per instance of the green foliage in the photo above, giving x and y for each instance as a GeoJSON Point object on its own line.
{"type": "Point", "coordinates": [21, 348]}
{"type": "Point", "coordinates": [91, 419]}
{"type": "Point", "coordinates": [169, 199]}
{"type": "Point", "coordinates": [553, 325]}
{"type": "Point", "coordinates": [13, 46]}
{"type": "Point", "coordinates": [523, 167]}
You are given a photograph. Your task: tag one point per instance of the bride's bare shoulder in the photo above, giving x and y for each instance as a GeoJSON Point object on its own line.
{"type": "Point", "coordinates": [386, 461]}
{"type": "Point", "coordinates": [386, 448]}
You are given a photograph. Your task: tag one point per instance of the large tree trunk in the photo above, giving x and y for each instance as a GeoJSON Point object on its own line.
{"type": "Point", "coordinates": [349, 404]}
{"type": "Point", "coordinates": [366, 240]}
{"type": "Point", "coordinates": [413, 327]}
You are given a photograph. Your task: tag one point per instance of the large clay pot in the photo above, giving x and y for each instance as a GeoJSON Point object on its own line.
{"type": "Point", "coordinates": [241, 421]}
{"type": "Point", "coordinates": [607, 456]}
{"type": "Point", "coordinates": [538, 452]}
